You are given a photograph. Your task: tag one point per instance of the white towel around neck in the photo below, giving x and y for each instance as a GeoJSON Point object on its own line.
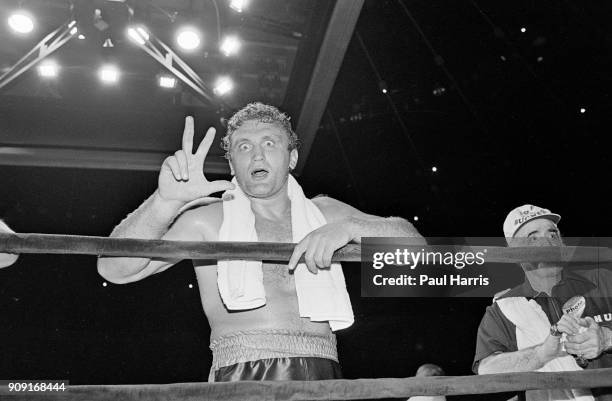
{"type": "Point", "coordinates": [321, 297]}
{"type": "Point", "coordinates": [532, 328]}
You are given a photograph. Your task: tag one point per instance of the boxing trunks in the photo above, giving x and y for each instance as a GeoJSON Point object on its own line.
{"type": "Point", "coordinates": [274, 355]}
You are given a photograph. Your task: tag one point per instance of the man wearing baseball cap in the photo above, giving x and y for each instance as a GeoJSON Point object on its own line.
{"type": "Point", "coordinates": [556, 320]}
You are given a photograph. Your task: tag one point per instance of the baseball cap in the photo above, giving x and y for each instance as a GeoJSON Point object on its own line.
{"type": "Point", "coordinates": [522, 214]}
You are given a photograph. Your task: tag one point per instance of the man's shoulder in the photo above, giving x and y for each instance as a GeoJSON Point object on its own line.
{"type": "Point", "coordinates": [208, 210]}
{"type": "Point", "coordinates": [206, 219]}
{"type": "Point", "coordinates": [589, 272]}
{"type": "Point", "coordinates": [323, 201]}
{"type": "Point", "coordinates": [331, 207]}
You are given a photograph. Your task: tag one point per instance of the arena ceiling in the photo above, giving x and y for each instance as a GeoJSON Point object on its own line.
{"type": "Point", "coordinates": [290, 56]}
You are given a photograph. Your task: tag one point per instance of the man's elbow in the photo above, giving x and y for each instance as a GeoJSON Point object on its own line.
{"type": "Point", "coordinates": [484, 370]}
{"type": "Point", "coordinates": [410, 231]}
{"type": "Point", "coordinates": [7, 259]}
{"type": "Point", "coordinates": [111, 271]}
{"type": "Point", "coordinates": [418, 239]}
{"type": "Point", "coordinates": [487, 365]}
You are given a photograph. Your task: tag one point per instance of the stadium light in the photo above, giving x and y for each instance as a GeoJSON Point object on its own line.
{"type": "Point", "coordinates": [138, 34]}
{"type": "Point", "coordinates": [188, 38]}
{"type": "Point", "coordinates": [48, 69]}
{"type": "Point", "coordinates": [109, 74]}
{"type": "Point", "coordinates": [238, 5]}
{"type": "Point", "coordinates": [223, 86]}
{"type": "Point", "coordinates": [230, 45]}
{"type": "Point", "coordinates": [166, 81]}
{"type": "Point", "coordinates": [21, 22]}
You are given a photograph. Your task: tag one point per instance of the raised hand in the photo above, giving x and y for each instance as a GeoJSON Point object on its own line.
{"type": "Point", "coordinates": [182, 175]}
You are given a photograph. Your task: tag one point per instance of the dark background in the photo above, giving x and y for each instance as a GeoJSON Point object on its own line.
{"type": "Point", "coordinates": [466, 93]}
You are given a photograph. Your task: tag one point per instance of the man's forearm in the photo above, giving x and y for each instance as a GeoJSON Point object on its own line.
{"type": "Point", "coordinates": [525, 360]}
{"type": "Point", "coordinates": [150, 221]}
{"type": "Point", "coordinates": [383, 227]}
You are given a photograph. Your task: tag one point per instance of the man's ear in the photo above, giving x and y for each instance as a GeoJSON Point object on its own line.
{"type": "Point", "coordinates": [293, 159]}
{"type": "Point", "coordinates": [231, 167]}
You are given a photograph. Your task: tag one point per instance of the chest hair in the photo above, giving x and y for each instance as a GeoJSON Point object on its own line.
{"type": "Point", "coordinates": [274, 231]}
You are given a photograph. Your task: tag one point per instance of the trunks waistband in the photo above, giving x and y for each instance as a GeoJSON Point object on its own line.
{"type": "Point", "coordinates": [253, 345]}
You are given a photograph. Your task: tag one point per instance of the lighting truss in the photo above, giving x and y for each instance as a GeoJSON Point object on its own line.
{"type": "Point", "coordinates": [153, 46]}
{"type": "Point", "coordinates": [45, 47]}
{"type": "Point", "coordinates": [164, 55]}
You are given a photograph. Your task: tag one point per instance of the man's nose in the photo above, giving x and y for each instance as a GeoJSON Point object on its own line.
{"type": "Point", "coordinates": [258, 153]}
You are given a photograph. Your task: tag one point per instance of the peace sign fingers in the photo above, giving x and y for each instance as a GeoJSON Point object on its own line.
{"type": "Point", "coordinates": [182, 174]}
{"type": "Point", "coordinates": [188, 135]}
{"type": "Point", "coordinates": [206, 142]}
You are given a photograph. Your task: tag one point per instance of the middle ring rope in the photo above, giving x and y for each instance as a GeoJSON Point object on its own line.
{"type": "Point", "coordinates": [128, 247]}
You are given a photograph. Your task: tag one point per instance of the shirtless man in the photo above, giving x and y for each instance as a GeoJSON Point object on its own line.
{"type": "Point", "coordinates": [271, 342]}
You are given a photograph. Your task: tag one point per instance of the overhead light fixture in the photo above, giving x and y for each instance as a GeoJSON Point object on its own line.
{"type": "Point", "coordinates": [81, 37]}
{"type": "Point", "coordinates": [48, 69]}
{"type": "Point", "coordinates": [238, 5]}
{"type": "Point", "coordinates": [138, 34]}
{"type": "Point", "coordinates": [230, 45]}
{"type": "Point", "coordinates": [109, 74]}
{"type": "Point", "coordinates": [21, 22]}
{"type": "Point", "coordinates": [166, 81]}
{"type": "Point", "coordinates": [223, 86]}
{"type": "Point", "coordinates": [188, 38]}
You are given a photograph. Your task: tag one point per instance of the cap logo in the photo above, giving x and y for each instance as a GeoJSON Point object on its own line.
{"type": "Point", "coordinates": [527, 215]}
{"type": "Point", "coordinates": [522, 215]}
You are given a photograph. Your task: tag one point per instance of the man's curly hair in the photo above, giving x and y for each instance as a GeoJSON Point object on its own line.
{"type": "Point", "coordinates": [262, 113]}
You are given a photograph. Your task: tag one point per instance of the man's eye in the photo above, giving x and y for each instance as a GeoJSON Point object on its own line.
{"type": "Point", "coordinates": [244, 147]}
{"type": "Point", "coordinates": [268, 143]}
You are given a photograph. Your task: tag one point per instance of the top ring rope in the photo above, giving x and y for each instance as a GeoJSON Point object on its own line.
{"type": "Point", "coordinates": [128, 247]}
{"type": "Point", "coordinates": [330, 389]}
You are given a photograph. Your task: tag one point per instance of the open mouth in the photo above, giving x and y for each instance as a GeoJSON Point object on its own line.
{"type": "Point", "coordinates": [259, 173]}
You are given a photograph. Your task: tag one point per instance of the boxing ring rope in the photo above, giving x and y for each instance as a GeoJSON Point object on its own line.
{"type": "Point", "coordinates": [305, 390]}
{"type": "Point", "coordinates": [333, 389]}
{"type": "Point", "coordinates": [86, 245]}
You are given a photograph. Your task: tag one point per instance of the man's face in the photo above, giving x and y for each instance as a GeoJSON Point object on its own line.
{"type": "Point", "coordinates": [260, 159]}
{"type": "Point", "coordinates": [537, 232]}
